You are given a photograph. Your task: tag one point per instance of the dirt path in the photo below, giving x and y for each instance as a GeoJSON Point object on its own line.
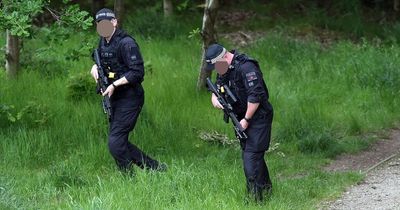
{"type": "Point", "coordinates": [381, 188]}
{"type": "Point", "coordinates": [364, 160]}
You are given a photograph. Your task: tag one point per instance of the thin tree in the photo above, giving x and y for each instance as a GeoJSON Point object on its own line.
{"type": "Point", "coordinates": [12, 54]}
{"type": "Point", "coordinates": [16, 19]}
{"type": "Point", "coordinates": [119, 11]}
{"type": "Point", "coordinates": [97, 5]}
{"type": "Point", "coordinates": [209, 36]}
{"type": "Point", "coordinates": [168, 8]}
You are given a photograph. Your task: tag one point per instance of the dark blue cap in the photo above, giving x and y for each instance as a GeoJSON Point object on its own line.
{"type": "Point", "coordinates": [213, 53]}
{"type": "Point", "coordinates": [105, 14]}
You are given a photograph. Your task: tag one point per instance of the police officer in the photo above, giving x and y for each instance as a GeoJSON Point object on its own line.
{"type": "Point", "coordinates": [120, 57]}
{"type": "Point", "coordinates": [243, 76]}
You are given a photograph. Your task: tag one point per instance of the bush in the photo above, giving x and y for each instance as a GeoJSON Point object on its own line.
{"type": "Point", "coordinates": [152, 24]}
{"type": "Point", "coordinates": [80, 87]}
{"type": "Point", "coordinates": [31, 115]}
{"type": "Point", "coordinates": [54, 51]}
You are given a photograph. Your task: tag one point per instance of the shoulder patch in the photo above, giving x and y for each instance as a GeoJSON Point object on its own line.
{"type": "Point", "coordinates": [251, 76]}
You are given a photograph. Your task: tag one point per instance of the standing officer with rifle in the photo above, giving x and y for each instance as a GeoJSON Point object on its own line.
{"type": "Point", "coordinates": [120, 67]}
{"type": "Point", "coordinates": [241, 92]}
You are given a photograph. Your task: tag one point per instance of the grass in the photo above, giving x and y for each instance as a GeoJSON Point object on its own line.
{"type": "Point", "coordinates": [351, 19]}
{"type": "Point", "coordinates": [55, 156]}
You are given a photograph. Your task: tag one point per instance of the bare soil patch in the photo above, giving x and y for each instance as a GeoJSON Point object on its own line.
{"type": "Point", "coordinates": [364, 160]}
{"type": "Point", "coordinates": [380, 189]}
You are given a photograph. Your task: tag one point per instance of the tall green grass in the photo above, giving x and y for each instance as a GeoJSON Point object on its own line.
{"type": "Point", "coordinates": [352, 19]}
{"type": "Point", "coordinates": [323, 98]}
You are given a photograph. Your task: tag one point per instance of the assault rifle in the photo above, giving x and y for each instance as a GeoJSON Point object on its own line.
{"type": "Point", "coordinates": [102, 83]}
{"type": "Point", "coordinates": [228, 110]}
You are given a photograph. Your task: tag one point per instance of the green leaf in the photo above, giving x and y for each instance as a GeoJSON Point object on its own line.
{"type": "Point", "coordinates": [11, 118]}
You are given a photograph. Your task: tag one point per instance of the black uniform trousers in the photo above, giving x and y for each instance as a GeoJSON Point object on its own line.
{"type": "Point", "coordinates": [123, 120]}
{"type": "Point", "coordinates": [253, 150]}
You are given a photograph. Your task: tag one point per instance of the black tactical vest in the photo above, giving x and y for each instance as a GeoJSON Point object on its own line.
{"type": "Point", "coordinates": [110, 57]}
{"type": "Point", "coordinates": [234, 79]}
{"type": "Point", "coordinates": [241, 59]}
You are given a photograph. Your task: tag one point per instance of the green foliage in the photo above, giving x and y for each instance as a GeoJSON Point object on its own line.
{"type": "Point", "coordinates": [72, 21]}
{"type": "Point", "coordinates": [319, 103]}
{"type": "Point", "coordinates": [195, 33]}
{"type": "Point", "coordinates": [359, 78]}
{"type": "Point", "coordinates": [16, 15]}
{"type": "Point", "coordinates": [53, 53]}
{"type": "Point", "coordinates": [6, 110]}
{"type": "Point", "coordinates": [80, 87]}
{"type": "Point", "coordinates": [83, 50]}
{"type": "Point", "coordinates": [152, 24]}
{"type": "Point", "coordinates": [78, 19]}
{"type": "Point", "coordinates": [32, 114]}
{"type": "Point", "coordinates": [184, 5]}
{"type": "Point", "coordinates": [353, 19]}
{"type": "Point", "coordinates": [386, 76]}
{"type": "Point", "coordinates": [349, 18]}
{"type": "Point", "coordinates": [324, 97]}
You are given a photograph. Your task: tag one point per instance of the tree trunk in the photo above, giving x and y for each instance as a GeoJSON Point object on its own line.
{"type": "Point", "coordinates": [209, 36]}
{"type": "Point", "coordinates": [12, 55]}
{"type": "Point", "coordinates": [168, 8]}
{"type": "Point", "coordinates": [97, 5]}
{"type": "Point", "coordinates": [396, 5]}
{"type": "Point", "coordinates": [325, 4]}
{"type": "Point", "coordinates": [119, 11]}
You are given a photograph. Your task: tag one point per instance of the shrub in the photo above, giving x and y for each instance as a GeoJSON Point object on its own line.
{"type": "Point", "coordinates": [151, 24]}
{"type": "Point", "coordinates": [80, 86]}
{"type": "Point", "coordinates": [31, 115]}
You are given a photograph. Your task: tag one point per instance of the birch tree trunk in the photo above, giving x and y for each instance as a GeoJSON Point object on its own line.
{"type": "Point", "coordinates": [396, 5]}
{"type": "Point", "coordinates": [168, 8]}
{"type": "Point", "coordinates": [209, 36]}
{"type": "Point", "coordinates": [12, 55]}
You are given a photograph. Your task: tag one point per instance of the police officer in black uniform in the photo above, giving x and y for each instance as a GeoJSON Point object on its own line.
{"type": "Point", "coordinates": [244, 78]}
{"type": "Point", "coordinates": [120, 57]}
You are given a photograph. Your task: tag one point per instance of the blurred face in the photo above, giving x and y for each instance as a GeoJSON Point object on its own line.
{"type": "Point", "coordinates": [106, 28]}
{"type": "Point", "coordinates": [221, 66]}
